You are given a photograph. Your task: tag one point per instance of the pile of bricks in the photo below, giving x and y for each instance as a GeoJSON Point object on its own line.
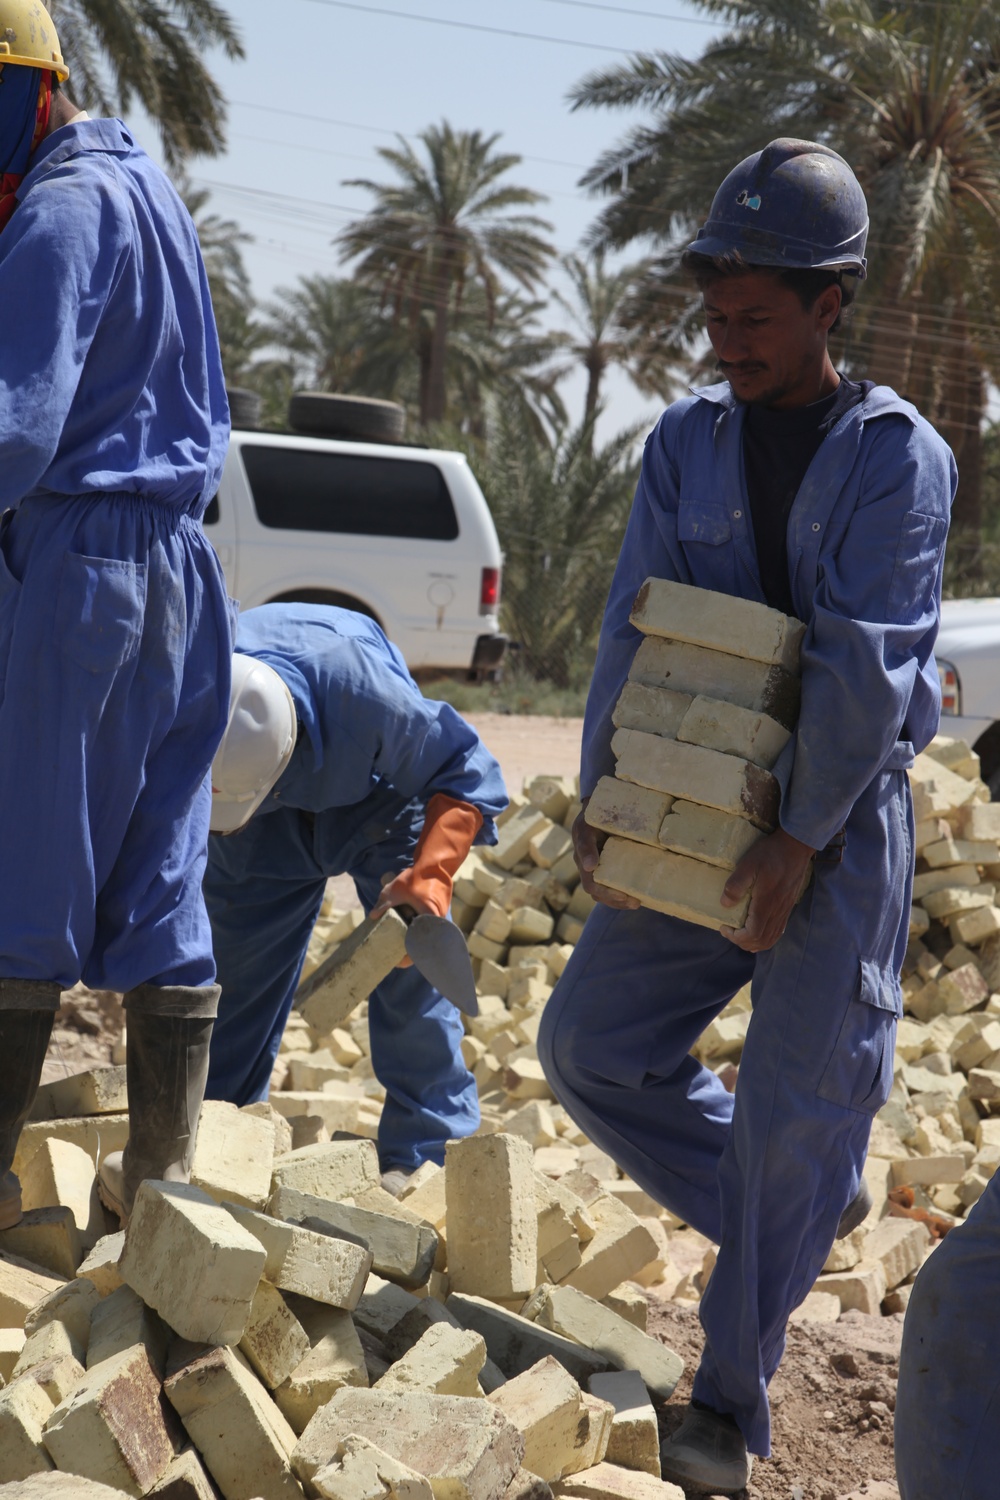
{"type": "Point", "coordinates": [284, 1327]}
{"type": "Point", "coordinates": [287, 1328]}
{"type": "Point", "coordinates": [709, 705]}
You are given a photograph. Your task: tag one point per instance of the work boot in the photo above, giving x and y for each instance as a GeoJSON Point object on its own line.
{"type": "Point", "coordinates": [707, 1455]}
{"type": "Point", "coordinates": [166, 1058]}
{"type": "Point", "coordinates": [395, 1180]}
{"type": "Point", "coordinates": [27, 1010]}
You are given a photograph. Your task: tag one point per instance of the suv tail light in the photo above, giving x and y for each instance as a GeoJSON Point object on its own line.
{"type": "Point", "coordinates": [951, 699]}
{"type": "Point", "coordinates": [489, 591]}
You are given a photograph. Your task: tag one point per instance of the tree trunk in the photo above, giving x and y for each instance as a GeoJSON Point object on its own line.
{"type": "Point", "coordinates": [959, 421]}
{"type": "Point", "coordinates": [595, 366]}
{"type": "Point", "coordinates": [892, 346]}
{"type": "Point", "coordinates": [967, 443]}
{"type": "Point", "coordinates": [433, 395]}
{"type": "Point", "coordinates": [424, 366]}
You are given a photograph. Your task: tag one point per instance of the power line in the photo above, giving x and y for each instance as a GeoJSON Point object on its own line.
{"type": "Point", "coordinates": [624, 10]}
{"type": "Point", "coordinates": [263, 140]}
{"type": "Point", "coordinates": [521, 36]}
{"type": "Point", "coordinates": [311, 204]}
{"type": "Point", "coordinates": [295, 114]}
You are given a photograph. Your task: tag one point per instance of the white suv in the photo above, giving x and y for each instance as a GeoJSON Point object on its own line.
{"type": "Point", "coordinates": [968, 661]}
{"type": "Point", "coordinates": [402, 534]}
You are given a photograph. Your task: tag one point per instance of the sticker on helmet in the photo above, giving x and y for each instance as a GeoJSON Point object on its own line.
{"type": "Point", "coordinates": [746, 200]}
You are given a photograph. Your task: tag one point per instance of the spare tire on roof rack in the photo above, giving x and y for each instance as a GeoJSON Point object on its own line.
{"type": "Point", "coordinates": [356, 418]}
{"type": "Point", "coordinates": [244, 407]}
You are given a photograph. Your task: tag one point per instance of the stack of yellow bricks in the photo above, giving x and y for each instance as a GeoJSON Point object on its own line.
{"type": "Point", "coordinates": [709, 706]}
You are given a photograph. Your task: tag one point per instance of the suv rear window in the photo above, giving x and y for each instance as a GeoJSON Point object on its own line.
{"type": "Point", "coordinates": [299, 490]}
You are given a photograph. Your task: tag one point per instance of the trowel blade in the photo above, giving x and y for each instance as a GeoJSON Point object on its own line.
{"type": "Point", "coordinates": [438, 950]}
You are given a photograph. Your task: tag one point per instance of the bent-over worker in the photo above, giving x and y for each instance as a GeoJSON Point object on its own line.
{"type": "Point", "coordinates": [334, 763]}
{"type": "Point", "coordinates": [948, 1397]}
{"type": "Point", "coordinates": [828, 499]}
{"type": "Point", "coordinates": [115, 629]}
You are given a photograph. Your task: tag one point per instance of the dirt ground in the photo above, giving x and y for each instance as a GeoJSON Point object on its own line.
{"type": "Point", "coordinates": [833, 1396]}
{"type": "Point", "coordinates": [530, 746]}
{"type": "Point", "coordinates": [831, 1404]}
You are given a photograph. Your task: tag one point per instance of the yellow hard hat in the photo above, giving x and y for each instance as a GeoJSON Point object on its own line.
{"type": "Point", "coordinates": [27, 36]}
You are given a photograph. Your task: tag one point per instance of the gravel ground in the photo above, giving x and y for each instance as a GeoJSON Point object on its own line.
{"type": "Point", "coordinates": [832, 1397]}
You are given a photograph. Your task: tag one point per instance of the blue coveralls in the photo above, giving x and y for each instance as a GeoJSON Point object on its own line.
{"type": "Point", "coordinates": [115, 628]}
{"type": "Point", "coordinates": [767, 1175]}
{"type": "Point", "coordinates": [948, 1398]}
{"type": "Point", "coordinates": [371, 753]}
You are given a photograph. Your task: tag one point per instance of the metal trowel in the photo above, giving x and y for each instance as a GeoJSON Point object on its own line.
{"type": "Point", "coordinates": [435, 946]}
{"type": "Point", "coordinates": [438, 950]}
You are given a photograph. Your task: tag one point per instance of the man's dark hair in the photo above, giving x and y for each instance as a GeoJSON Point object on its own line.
{"type": "Point", "coordinates": [56, 83]}
{"type": "Point", "coordinates": [808, 285]}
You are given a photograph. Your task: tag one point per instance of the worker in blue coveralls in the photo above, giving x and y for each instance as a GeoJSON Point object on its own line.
{"type": "Point", "coordinates": [948, 1397]}
{"type": "Point", "coordinates": [334, 763]}
{"type": "Point", "coordinates": [115, 629]}
{"type": "Point", "coordinates": [828, 499]}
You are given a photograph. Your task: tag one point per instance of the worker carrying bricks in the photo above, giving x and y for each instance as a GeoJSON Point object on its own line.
{"type": "Point", "coordinates": [334, 763]}
{"type": "Point", "coordinates": [828, 499]}
{"type": "Point", "coordinates": [947, 1439]}
{"type": "Point", "coordinates": [115, 629]}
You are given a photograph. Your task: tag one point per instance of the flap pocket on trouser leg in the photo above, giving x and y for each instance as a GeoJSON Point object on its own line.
{"type": "Point", "coordinates": [858, 1074]}
{"type": "Point", "coordinates": [99, 611]}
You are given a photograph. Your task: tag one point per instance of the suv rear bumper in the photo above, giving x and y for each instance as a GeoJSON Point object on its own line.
{"type": "Point", "coordinates": [489, 653]}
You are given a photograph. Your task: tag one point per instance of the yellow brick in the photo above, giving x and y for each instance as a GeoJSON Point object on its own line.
{"type": "Point", "coordinates": [726, 782]}
{"type": "Point", "coordinates": [721, 622]}
{"type": "Point", "coordinates": [670, 883]}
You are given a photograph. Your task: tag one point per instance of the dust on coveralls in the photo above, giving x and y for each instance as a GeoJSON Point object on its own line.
{"type": "Point", "coordinates": [371, 753]}
{"type": "Point", "coordinates": [948, 1399]}
{"type": "Point", "coordinates": [115, 628]}
{"type": "Point", "coordinates": [767, 1175]}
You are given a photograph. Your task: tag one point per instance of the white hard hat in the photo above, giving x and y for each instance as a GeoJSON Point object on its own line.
{"type": "Point", "coordinates": [256, 746]}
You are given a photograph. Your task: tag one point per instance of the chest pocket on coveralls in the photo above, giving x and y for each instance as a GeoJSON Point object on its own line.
{"type": "Point", "coordinates": [859, 1073]}
{"type": "Point", "coordinates": [99, 611]}
{"type": "Point", "coordinates": [703, 521]}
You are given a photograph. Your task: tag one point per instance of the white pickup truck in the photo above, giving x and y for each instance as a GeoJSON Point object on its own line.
{"type": "Point", "coordinates": [400, 533]}
{"type": "Point", "coordinates": [968, 660]}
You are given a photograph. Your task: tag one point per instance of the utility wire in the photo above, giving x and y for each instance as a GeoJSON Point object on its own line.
{"type": "Point", "coordinates": [878, 246]}
{"type": "Point", "coordinates": [521, 36]}
{"type": "Point", "coordinates": [263, 140]}
{"type": "Point", "coordinates": [295, 114]}
{"type": "Point", "coordinates": [624, 10]}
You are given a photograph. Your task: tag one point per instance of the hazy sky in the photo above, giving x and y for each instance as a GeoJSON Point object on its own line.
{"type": "Point", "coordinates": [324, 84]}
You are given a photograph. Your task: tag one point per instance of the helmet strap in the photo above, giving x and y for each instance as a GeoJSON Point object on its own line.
{"type": "Point", "coordinates": [25, 110]}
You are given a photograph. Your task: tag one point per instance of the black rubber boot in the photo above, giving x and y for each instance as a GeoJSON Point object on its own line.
{"type": "Point", "coordinates": [27, 1010]}
{"type": "Point", "coordinates": [167, 1033]}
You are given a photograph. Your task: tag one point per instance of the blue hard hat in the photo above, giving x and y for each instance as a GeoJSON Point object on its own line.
{"type": "Point", "coordinates": [795, 204]}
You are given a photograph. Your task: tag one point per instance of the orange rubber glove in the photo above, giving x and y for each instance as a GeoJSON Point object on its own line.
{"type": "Point", "coordinates": [444, 844]}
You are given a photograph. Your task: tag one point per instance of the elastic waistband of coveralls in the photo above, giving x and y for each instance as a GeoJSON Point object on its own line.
{"type": "Point", "coordinates": [172, 516]}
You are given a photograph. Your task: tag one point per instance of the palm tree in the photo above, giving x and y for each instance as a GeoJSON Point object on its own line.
{"type": "Point", "coordinates": [560, 511]}
{"type": "Point", "coordinates": [909, 95]}
{"type": "Point", "coordinates": [446, 222]}
{"type": "Point", "coordinates": [241, 334]}
{"type": "Point", "coordinates": [501, 354]}
{"type": "Point", "coordinates": [606, 335]}
{"type": "Point", "coordinates": [151, 51]}
{"type": "Point", "coordinates": [336, 336]}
